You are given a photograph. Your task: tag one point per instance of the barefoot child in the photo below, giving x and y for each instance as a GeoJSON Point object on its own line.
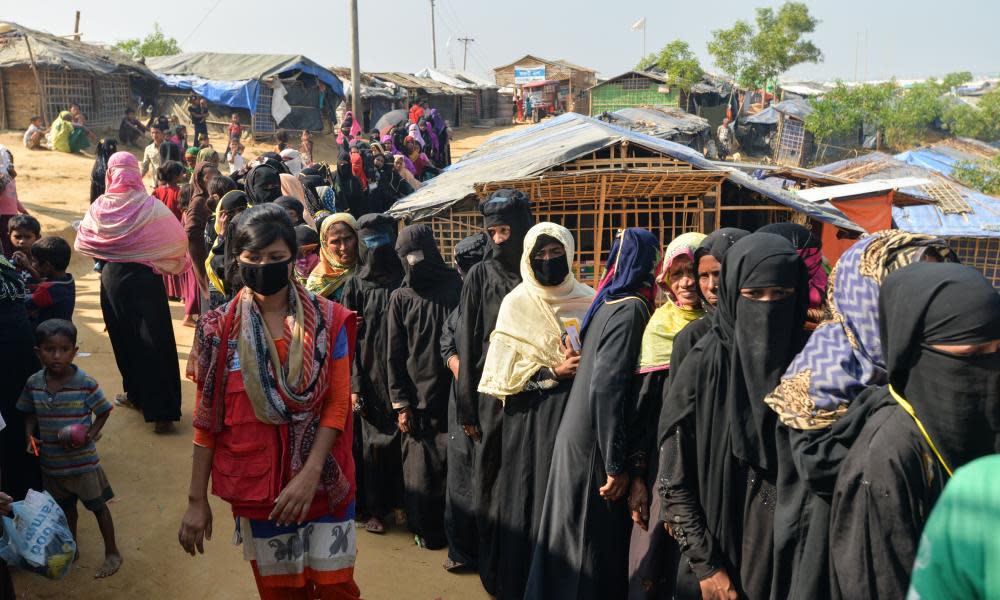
{"type": "Point", "coordinates": [59, 395]}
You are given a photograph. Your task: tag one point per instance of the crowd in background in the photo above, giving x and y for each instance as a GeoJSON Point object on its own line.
{"type": "Point", "coordinates": [724, 417]}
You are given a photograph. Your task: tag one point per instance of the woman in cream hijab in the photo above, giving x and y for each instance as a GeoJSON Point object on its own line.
{"type": "Point", "coordinates": [530, 365]}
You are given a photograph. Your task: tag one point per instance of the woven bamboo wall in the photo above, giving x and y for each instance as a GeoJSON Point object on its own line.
{"type": "Point", "coordinates": [102, 98]}
{"type": "Point", "coordinates": [21, 100]}
{"type": "Point", "coordinates": [981, 253]}
{"type": "Point", "coordinates": [628, 92]}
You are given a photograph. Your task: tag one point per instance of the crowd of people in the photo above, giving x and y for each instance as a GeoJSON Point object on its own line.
{"type": "Point", "coordinates": [721, 418]}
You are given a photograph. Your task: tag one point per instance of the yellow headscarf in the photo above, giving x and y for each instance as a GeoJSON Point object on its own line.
{"type": "Point", "coordinates": [61, 130]}
{"type": "Point", "coordinates": [329, 276]}
{"type": "Point", "coordinates": [669, 319]}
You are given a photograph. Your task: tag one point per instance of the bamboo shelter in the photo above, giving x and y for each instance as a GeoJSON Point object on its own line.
{"type": "Point", "coordinates": [594, 179]}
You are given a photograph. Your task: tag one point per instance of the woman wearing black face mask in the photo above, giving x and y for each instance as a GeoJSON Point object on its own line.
{"type": "Point", "coordinates": [419, 380]}
{"type": "Point", "coordinates": [718, 459]}
{"type": "Point", "coordinates": [940, 332]}
{"type": "Point", "coordinates": [530, 365]}
{"type": "Point", "coordinates": [273, 421]}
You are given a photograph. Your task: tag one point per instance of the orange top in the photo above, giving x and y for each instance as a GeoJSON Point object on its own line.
{"type": "Point", "coordinates": [336, 406]}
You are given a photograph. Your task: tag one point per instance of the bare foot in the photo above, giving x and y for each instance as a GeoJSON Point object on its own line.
{"type": "Point", "coordinates": [189, 321]}
{"type": "Point", "coordinates": [112, 562]}
{"type": "Point", "coordinates": [400, 516]}
{"type": "Point", "coordinates": [374, 525]}
{"type": "Point", "coordinates": [163, 427]}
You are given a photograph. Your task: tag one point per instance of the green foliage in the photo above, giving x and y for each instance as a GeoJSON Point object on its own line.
{"type": "Point", "coordinates": [680, 65]}
{"type": "Point", "coordinates": [755, 54]}
{"type": "Point", "coordinates": [647, 61]}
{"type": "Point", "coordinates": [981, 122]}
{"type": "Point", "coordinates": [913, 113]}
{"type": "Point", "coordinates": [983, 175]}
{"type": "Point", "coordinates": [953, 80]}
{"type": "Point", "coordinates": [843, 110]}
{"type": "Point", "coordinates": [154, 44]}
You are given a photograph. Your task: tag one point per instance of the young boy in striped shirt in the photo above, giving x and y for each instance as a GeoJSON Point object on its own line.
{"type": "Point", "coordinates": [60, 395]}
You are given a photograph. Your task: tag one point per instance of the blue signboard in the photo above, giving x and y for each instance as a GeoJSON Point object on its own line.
{"type": "Point", "coordinates": [524, 75]}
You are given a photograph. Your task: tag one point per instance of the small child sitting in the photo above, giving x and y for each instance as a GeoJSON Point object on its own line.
{"type": "Point", "coordinates": [35, 134]}
{"type": "Point", "coordinates": [54, 297]}
{"type": "Point", "coordinates": [24, 231]}
{"type": "Point", "coordinates": [308, 242]}
{"type": "Point", "coordinates": [234, 157]}
{"type": "Point", "coordinates": [57, 397]}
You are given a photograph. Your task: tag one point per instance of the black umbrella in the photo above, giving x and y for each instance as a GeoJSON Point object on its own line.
{"type": "Point", "coordinates": [390, 119]}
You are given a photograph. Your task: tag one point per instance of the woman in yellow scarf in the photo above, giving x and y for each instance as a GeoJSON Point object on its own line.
{"type": "Point", "coordinates": [652, 552]}
{"type": "Point", "coordinates": [338, 256]}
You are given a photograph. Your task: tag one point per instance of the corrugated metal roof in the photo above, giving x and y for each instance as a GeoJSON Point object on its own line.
{"type": "Point", "coordinates": [664, 122]}
{"type": "Point", "coordinates": [983, 219]}
{"type": "Point", "coordinates": [532, 151]}
{"type": "Point", "coordinates": [862, 188]}
{"type": "Point", "coordinates": [413, 82]}
{"type": "Point", "coordinates": [370, 87]}
{"type": "Point", "coordinates": [647, 74]}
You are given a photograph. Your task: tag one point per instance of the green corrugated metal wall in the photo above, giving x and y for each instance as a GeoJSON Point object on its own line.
{"type": "Point", "coordinates": [612, 96]}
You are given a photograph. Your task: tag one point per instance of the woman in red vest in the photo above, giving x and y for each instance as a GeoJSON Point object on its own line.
{"type": "Point", "coordinates": [272, 422]}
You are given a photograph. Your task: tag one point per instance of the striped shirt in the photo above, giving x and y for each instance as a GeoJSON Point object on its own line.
{"type": "Point", "coordinates": [80, 397]}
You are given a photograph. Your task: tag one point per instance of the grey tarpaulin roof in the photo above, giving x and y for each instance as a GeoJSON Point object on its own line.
{"type": "Point", "coordinates": [532, 151]}
{"type": "Point", "coordinates": [659, 121]}
{"type": "Point", "coordinates": [62, 53]}
{"type": "Point", "coordinates": [219, 66]}
{"type": "Point", "coordinates": [768, 116]}
{"type": "Point", "coordinates": [794, 107]}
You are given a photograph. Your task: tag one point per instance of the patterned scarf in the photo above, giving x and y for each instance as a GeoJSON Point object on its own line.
{"type": "Point", "coordinates": [289, 394]}
{"type": "Point", "coordinates": [844, 355]}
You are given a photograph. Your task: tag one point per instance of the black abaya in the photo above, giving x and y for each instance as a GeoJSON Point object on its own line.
{"type": "Point", "coordinates": [420, 381]}
{"type": "Point", "coordinates": [134, 303]}
{"type": "Point", "coordinates": [460, 502]}
{"type": "Point", "coordinates": [582, 547]}
{"type": "Point", "coordinates": [380, 485]}
{"type": "Point", "coordinates": [484, 289]}
{"type": "Point", "coordinates": [19, 470]}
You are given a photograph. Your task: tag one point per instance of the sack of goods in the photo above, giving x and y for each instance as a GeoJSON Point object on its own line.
{"type": "Point", "coordinates": [38, 538]}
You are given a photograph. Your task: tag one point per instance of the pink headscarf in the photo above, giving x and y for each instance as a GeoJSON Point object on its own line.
{"type": "Point", "coordinates": [126, 224]}
{"type": "Point", "coordinates": [414, 132]}
{"type": "Point", "coordinates": [355, 129]}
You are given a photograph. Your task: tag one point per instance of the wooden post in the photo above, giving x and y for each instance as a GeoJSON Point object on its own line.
{"type": "Point", "coordinates": [3, 104]}
{"type": "Point", "coordinates": [599, 232]}
{"type": "Point", "coordinates": [355, 62]}
{"type": "Point", "coordinates": [38, 82]}
{"type": "Point", "coordinates": [718, 206]}
{"type": "Point", "coordinates": [76, 28]}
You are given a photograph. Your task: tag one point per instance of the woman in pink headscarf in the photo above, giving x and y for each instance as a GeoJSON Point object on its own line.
{"type": "Point", "coordinates": [135, 239]}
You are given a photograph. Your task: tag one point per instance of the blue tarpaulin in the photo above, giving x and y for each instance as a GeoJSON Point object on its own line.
{"type": "Point", "coordinates": [234, 79]}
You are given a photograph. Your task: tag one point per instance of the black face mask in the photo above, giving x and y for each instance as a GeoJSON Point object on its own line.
{"type": "Point", "coordinates": [551, 271]}
{"type": "Point", "coordinates": [266, 279]}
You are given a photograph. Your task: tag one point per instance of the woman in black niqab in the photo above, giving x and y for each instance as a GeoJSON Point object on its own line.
{"type": "Point", "coordinates": [940, 330]}
{"type": "Point", "coordinates": [350, 195]}
{"type": "Point", "coordinates": [719, 461]}
{"type": "Point", "coordinates": [263, 183]}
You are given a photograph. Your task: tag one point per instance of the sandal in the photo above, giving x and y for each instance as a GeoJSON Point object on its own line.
{"type": "Point", "coordinates": [123, 401]}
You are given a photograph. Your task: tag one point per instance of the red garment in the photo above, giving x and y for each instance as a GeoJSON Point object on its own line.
{"type": "Point", "coordinates": [416, 111]}
{"type": "Point", "coordinates": [358, 168]}
{"type": "Point", "coordinates": [170, 194]}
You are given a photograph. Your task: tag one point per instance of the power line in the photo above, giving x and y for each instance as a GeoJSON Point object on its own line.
{"type": "Point", "coordinates": [465, 53]}
{"type": "Point", "coordinates": [214, 6]}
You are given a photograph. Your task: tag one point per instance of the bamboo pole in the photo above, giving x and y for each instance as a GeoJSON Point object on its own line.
{"type": "Point", "coordinates": [38, 82]}
{"type": "Point", "coordinates": [599, 233]}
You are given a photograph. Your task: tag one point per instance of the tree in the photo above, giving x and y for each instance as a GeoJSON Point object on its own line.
{"type": "Point", "coordinates": [981, 122]}
{"type": "Point", "coordinates": [755, 55]}
{"type": "Point", "coordinates": [842, 111]}
{"type": "Point", "coordinates": [983, 175]}
{"type": "Point", "coordinates": [154, 44]}
{"type": "Point", "coordinates": [647, 62]}
{"type": "Point", "coordinates": [680, 65]}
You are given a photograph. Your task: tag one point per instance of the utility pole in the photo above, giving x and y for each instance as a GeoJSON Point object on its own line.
{"type": "Point", "coordinates": [355, 62]}
{"type": "Point", "coordinates": [465, 53]}
{"type": "Point", "coordinates": [76, 28]}
{"type": "Point", "coordinates": [434, 45]}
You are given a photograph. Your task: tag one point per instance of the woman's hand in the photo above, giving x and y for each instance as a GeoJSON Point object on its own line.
{"type": "Point", "coordinates": [403, 418]}
{"type": "Point", "coordinates": [718, 587]}
{"type": "Point", "coordinates": [638, 503]}
{"type": "Point", "coordinates": [294, 501]}
{"type": "Point", "coordinates": [196, 526]}
{"type": "Point", "coordinates": [571, 361]}
{"type": "Point", "coordinates": [615, 488]}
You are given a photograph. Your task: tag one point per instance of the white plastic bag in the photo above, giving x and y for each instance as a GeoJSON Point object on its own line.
{"type": "Point", "coordinates": [38, 538]}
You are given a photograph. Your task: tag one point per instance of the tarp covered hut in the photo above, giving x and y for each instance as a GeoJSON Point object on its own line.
{"type": "Point", "coordinates": [595, 178]}
{"type": "Point", "coordinates": [42, 74]}
{"type": "Point", "coordinates": [968, 219]}
{"type": "Point", "coordinates": [377, 97]}
{"type": "Point", "coordinates": [794, 146]}
{"type": "Point", "coordinates": [483, 105]}
{"type": "Point", "coordinates": [447, 99]}
{"type": "Point", "coordinates": [270, 91]}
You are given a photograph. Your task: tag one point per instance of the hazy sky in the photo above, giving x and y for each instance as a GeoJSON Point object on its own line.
{"type": "Point", "coordinates": [907, 39]}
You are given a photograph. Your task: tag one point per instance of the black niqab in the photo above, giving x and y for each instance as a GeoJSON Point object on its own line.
{"type": "Point", "coordinates": [513, 209]}
{"type": "Point", "coordinates": [431, 270]}
{"type": "Point", "coordinates": [957, 398]}
{"type": "Point", "coordinates": [263, 183]}
{"type": "Point", "coordinates": [471, 251]}
{"type": "Point", "coordinates": [379, 262]}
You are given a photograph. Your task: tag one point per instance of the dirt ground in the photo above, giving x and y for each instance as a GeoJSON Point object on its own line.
{"type": "Point", "coordinates": [150, 473]}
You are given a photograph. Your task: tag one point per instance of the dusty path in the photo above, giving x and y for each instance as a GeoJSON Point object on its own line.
{"type": "Point", "coordinates": [150, 473]}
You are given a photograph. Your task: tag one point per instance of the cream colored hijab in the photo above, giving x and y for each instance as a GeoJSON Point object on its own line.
{"type": "Point", "coordinates": [532, 320]}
